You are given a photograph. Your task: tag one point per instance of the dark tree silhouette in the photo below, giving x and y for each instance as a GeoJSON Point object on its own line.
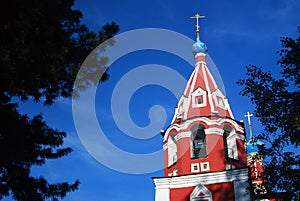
{"type": "Point", "coordinates": [43, 44]}
{"type": "Point", "coordinates": [277, 106]}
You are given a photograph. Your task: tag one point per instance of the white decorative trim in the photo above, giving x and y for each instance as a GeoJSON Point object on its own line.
{"type": "Point", "coordinates": [231, 143]}
{"type": "Point", "coordinates": [219, 96]}
{"type": "Point", "coordinates": [186, 101]}
{"type": "Point", "coordinates": [201, 63]}
{"type": "Point", "coordinates": [183, 135]}
{"type": "Point", "coordinates": [172, 154]}
{"type": "Point", "coordinates": [201, 189]}
{"type": "Point", "coordinates": [228, 166]}
{"type": "Point", "coordinates": [208, 88]}
{"type": "Point", "coordinates": [200, 54]}
{"type": "Point", "coordinates": [175, 115]}
{"type": "Point", "coordinates": [195, 167]}
{"type": "Point", "coordinates": [211, 77]}
{"type": "Point", "coordinates": [189, 82]}
{"type": "Point", "coordinates": [239, 177]}
{"type": "Point", "coordinates": [232, 147]}
{"type": "Point", "coordinates": [199, 92]}
{"type": "Point", "coordinates": [204, 179]}
{"type": "Point", "coordinates": [176, 112]}
{"type": "Point", "coordinates": [237, 136]}
{"type": "Point", "coordinates": [165, 146]}
{"type": "Point", "coordinates": [204, 166]}
{"type": "Point", "coordinates": [207, 121]}
{"type": "Point", "coordinates": [180, 108]}
{"type": "Point", "coordinates": [207, 131]}
{"type": "Point", "coordinates": [162, 182]}
{"type": "Point", "coordinates": [217, 131]}
{"type": "Point", "coordinates": [228, 108]}
{"type": "Point", "coordinates": [192, 86]}
{"type": "Point", "coordinates": [225, 99]}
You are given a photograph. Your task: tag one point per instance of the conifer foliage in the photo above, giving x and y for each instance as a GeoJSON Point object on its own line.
{"type": "Point", "coordinates": [43, 43]}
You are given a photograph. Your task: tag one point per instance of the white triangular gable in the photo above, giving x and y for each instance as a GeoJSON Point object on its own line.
{"type": "Point", "coordinates": [219, 99]}
{"type": "Point", "coordinates": [181, 107]}
{"type": "Point", "coordinates": [205, 193]}
{"type": "Point", "coordinates": [199, 93]}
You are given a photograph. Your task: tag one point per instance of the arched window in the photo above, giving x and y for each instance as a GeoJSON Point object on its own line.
{"type": "Point", "coordinates": [172, 149]}
{"type": "Point", "coordinates": [229, 140]}
{"type": "Point", "coordinates": [227, 129]}
{"type": "Point", "coordinates": [198, 141]}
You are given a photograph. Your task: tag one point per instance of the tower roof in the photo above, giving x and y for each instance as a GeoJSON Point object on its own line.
{"type": "Point", "coordinates": [202, 96]}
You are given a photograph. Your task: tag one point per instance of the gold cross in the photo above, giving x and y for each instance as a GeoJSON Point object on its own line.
{"type": "Point", "coordinates": [248, 115]}
{"type": "Point", "coordinates": [197, 16]}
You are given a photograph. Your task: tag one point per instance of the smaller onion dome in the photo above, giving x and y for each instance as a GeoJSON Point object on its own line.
{"type": "Point", "coordinates": [253, 144]}
{"type": "Point", "coordinates": [199, 47]}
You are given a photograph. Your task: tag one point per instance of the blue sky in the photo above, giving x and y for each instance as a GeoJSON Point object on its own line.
{"type": "Point", "coordinates": [237, 33]}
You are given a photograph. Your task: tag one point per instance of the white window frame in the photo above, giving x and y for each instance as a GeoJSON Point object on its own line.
{"type": "Point", "coordinates": [203, 164]}
{"type": "Point", "coordinates": [199, 92]}
{"type": "Point", "coordinates": [193, 165]}
{"type": "Point", "coordinates": [172, 149]}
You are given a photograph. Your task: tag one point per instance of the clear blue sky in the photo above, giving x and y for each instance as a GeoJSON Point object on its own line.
{"type": "Point", "coordinates": [237, 33]}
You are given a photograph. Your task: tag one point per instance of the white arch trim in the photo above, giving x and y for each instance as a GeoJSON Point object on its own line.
{"type": "Point", "coordinates": [207, 121]}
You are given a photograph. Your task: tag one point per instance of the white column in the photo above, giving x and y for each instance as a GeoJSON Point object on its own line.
{"type": "Point", "coordinates": [162, 194]}
{"type": "Point", "coordinates": [162, 189]}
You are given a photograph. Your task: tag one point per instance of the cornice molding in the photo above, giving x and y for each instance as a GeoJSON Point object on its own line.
{"type": "Point", "coordinates": [201, 179]}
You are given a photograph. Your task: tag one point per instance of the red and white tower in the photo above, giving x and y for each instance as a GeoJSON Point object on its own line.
{"type": "Point", "coordinates": [204, 146]}
{"type": "Point", "coordinates": [255, 162]}
{"type": "Point", "coordinates": [256, 167]}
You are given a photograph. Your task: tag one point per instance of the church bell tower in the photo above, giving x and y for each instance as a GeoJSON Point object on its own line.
{"type": "Point", "coordinates": [204, 146]}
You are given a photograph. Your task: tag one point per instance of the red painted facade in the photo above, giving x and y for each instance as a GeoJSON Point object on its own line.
{"type": "Point", "coordinates": [204, 146]}
{"type": "Point", "coordinates": [212, 111]}
{"type": "Point", "coordinates": [224, 189]}
{"type": "Point", "coordinates": [214, 148]}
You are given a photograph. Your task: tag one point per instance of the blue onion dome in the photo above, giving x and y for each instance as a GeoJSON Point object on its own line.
{"type": "Point", "coordinates": [199, 47]}
{"type": "Point", "coordinates": [253, 144]}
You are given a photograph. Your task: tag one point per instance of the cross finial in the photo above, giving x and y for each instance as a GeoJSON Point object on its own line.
{"type": "Point", "coordinates": [248, 115]}
{"type": "Point", "coordinates": [197, 16]}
